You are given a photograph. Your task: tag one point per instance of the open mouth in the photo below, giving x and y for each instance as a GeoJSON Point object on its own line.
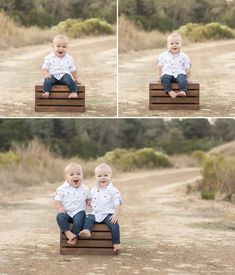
{"type": "Point", "coordinates": [76, 181]}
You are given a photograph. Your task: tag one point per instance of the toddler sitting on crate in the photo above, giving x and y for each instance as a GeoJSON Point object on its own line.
{"type": "Point", "coordinates": [105, 203]}
{"type": "Point", "coordinates": [70, 200]}
{"type": "Point", "coordinates": [174, 67]}
{"type": "Point", "coordinates": [59, 68]}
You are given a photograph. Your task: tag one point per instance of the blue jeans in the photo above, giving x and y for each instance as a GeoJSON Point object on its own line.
{"type": "Point", "coordinates": [65, 80]}
{"type": "Point", "coordinates": [113, 227]}
{"type": "Point", "coordinates": [167, 81]}
{"type": "Point", "coordinates": [63, 221]}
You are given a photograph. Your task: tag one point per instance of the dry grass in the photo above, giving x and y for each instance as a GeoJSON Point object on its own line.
{"type": "Point", "coordinates": [12, 35]}
{"type": "Point", "coordinates": [133, 39]}
{"type": "Point", "coordinates": [180, 161]}
{"type": "Point", "coordinates": [227, 149]}
{"type": "Point", "coordinates": [37, 165]}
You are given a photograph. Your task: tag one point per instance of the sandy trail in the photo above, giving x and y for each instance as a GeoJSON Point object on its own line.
{"type": "Point", "coordinates": [163, 231]}
{"type": "Point", "coordinates": [213, 67]}
{"type": "Point", "coordinates": [96, 58]}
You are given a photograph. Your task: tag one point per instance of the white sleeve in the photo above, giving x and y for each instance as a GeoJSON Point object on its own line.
{"type": "Point", "coordinates": [46, 63]}
{"type": "Point", "coordinates": [187, 62]}
{"type": "Point", "coordinates": [117, 198]}
{"type": "Point", "coordinates": [59, 195]}
{"type": "Point", "coordinates": [72, 66]}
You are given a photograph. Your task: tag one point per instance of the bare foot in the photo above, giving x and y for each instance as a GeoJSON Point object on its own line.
{"type": "Point", "coordinates": [116, 247]}
{"type": "Point", "coordinates": [73, 241]}
{"type": "Point", "coordinates": [182, 93]}
{"type": "Point", "coordinates": [85, 233]}
{"type": "Point", "coordinates": [69, 235]}
{"type": "Point", "coordinates": [45, 95]}
{"type": "Point", "coordinates": [73, 95]}
{"type": "Point", "coordinates": [172, 94]}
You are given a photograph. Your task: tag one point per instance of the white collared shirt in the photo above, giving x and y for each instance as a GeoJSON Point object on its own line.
{"type": "Point", "coordinates": [174, 64]}
{"type": "Point", "coordinates": [73, 199]}
{"type": "Point", "coordinates": [104, 200]}
{"type": "Point", "coordinates": [59, 66]}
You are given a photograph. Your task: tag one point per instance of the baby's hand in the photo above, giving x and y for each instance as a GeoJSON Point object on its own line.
{"type": "Point", "coordinates": [77, 81]}
{"type": "Point", "coordinates": [158, 79]}
{"type": "Point", "coordinates": [189, 80]}
{"type": "Point", "coordinates": [62, 210]}
{"type": "Point", "coordinates": [47, 75]}
{"type": "Point", "coordinates": [114, 218]}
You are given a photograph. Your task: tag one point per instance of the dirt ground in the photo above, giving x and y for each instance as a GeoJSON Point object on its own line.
{"type": "Point", "coordinates": [213, 65]}
{"type": "Point", "coordinates": [96, 58]}
{"type": "Point", "coordinates": [163, 230]}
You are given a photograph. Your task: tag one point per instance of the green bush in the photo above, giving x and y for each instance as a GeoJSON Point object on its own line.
{"type": "Point", "coordinates": [199, 155]}
{"type": "Point", "coordinates": [218, 174]}
{"type": "Point", "coordinates": [211, 31]}
{"type": "Point", "coordinates": [126, 160]}
{"type": "Point", "coordinates": [207, 194]}
{"type": "Point", "coordinates": [9, 158]}
{"type": "Point", "coordinates": [76, 28]}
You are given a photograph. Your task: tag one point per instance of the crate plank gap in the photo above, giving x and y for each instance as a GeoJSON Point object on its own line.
{"type": "Point", "coordinates": [159, 100]}
{"type": "Point", "coordinates": [100, 243]}
{"type": "Point", "coordinates": [58, 100]}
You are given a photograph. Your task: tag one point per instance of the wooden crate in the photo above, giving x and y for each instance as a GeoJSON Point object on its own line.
{"type": "Point", "coordinates": [100, 243]}
{"type": "Point", "coordinates": [58, 100]}
{"type": "Point", "coordinates": [159, 100]}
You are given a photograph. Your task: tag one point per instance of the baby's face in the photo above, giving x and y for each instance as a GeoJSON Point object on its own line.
{"type": "Point", "coordinates": [174, 45]}
{"type": "Point", "coordinates": [60, 47]}
{"type": "Point", "coordinates": [103, 176]}
{"type": "Point", "coordinates": [74, 176]}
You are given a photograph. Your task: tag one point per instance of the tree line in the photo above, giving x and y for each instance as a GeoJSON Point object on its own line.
{"type": "Point", "coordinates": [168, 15]}
{"type": "Point", "coordinates": [91, 138]}
{"type": "Point", "coordinates": [45, 13]}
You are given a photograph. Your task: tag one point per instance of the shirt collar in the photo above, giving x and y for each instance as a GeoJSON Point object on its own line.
{"type": "Point", "coordinates": [178, 54]}
{"type": "Point", "coordinates": [109, 186]}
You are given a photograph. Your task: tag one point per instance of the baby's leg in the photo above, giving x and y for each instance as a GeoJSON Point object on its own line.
{"type": "Point", "coordinates": [88, 226]}
{"type": "Point", "coordinates": [115, 231]}
{"type": "Point", "coordinates": [67, 80]}
{"type": "Point", "coordinates": [167, 84]}
{"type": "Point", "coordinates": [182, 81]}
{"type": "Point", "coordinates": [47, 85]}
{"type": "Point", "coordinates": [78, 221]}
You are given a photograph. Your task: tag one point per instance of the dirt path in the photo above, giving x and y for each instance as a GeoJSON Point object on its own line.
{"type": "Point", "coordinates": [163, 231]}
{"type": "Point", "coordinates": [20, 70]}
{"type": "Point", "coordinates": [213, 67]}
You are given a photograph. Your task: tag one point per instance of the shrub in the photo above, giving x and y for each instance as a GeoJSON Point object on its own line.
{"type": "Point", "coordinates": [9, 158]}
{"type": "Point", "coordinates": [77, 28]}
{"type": "Point", "coordinates": [126, 160]}
{"type": "Point", "coordinates": [211, 31]}
{"type": "Point", "coordinates": [218, 174]}
{"type": "Point", "coordinates": [207, 194]}
{"type": "Point", "coordinates": [199, 155]}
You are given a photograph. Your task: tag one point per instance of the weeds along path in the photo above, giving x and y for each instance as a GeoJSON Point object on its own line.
{"type": "Point", "coordinates": [213, 67]}
{"type": "Point", "coordinates": [163, 231]}
{"type": "Point", "coordinates": [20, 70]}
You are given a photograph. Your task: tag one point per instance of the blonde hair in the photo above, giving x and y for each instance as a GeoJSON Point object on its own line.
{"type": "Point", "coordinates": [105, 166]}
{"type": "Point", "coordinates": [60, 37]}
{"type": "Point", "coordinates": [68, 168]}
{"type": "Point", "coordinates": [174, 34]}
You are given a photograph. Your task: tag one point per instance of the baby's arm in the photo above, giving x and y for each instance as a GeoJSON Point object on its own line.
{"type": "Point", "coordinates": [188, 75]}
{"type": "Point", "coordinates": [114, 218]}
{"type": "Point", "coordinates": [75, 76]}
{"type": "Point", "coordinates": [159, 72]}
{"type": "Point", "coordinates": [59, 207]}
{"type": "Point", "coordinates": [46, 73]}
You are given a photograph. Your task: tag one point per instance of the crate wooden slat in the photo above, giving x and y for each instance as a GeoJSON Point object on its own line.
{"type": "Point", "coordinates": [159, 100]}
{"type": "Point", "coordinates": [100, 243]}
{"type": "Point", "coordinates": [58, 100]}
